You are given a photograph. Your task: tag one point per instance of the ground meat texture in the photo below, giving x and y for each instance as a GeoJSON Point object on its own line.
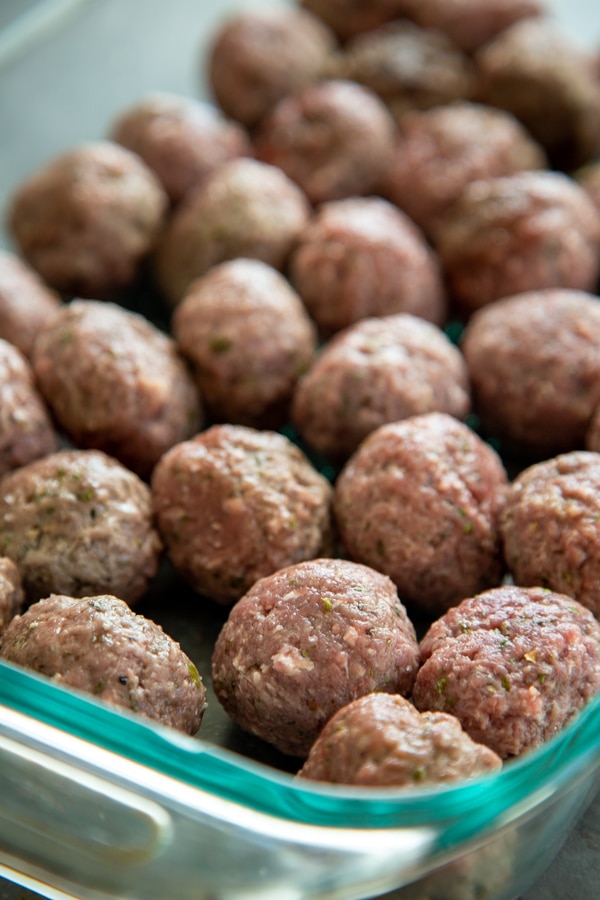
{"type": "Point", "coordinates": [86, 219]}
{"type": "Point", "coordinates": [235, 504]}
{"type": "Point", "coordinates": [116, 383]}
{"type": "Point", "coordinates": [351, 17]}
{"type": "Point", "coordinates": [382, 740]}
{"type": "Point", "coordinates": [441, 151]}
{"type": "Point", "coordinates": [260, 56]}
{"type": "Point", "coordinates": [534, 71]}
{"type": "Point", "coordinates": [362, 257]}
{"type": "Point", "coordinates": [473, 23]}
{"type": "Point", "coordinates": [513, 664]}
{"type": "Point", "coordinates": [180, 139]}
{"type": "Point", "coordinates": [99, 646]}
{"type": "Point", "coordinates": [524, 232]}
{"type": "Point", "coordinates": [334, 139]}
{"type": "Point", "coordinates": [26, 303]}
{"type": "Point", "coordinates": [377, 371]}
{"type": "Point", "coordinates": [248, 337]}
{"type": "Point", "coordinates": [26, 431]}
{"type": "Point", "coordinates": [244, 209]}
{"type": "Point", "coordinates": [12, 598]}
{"type": "Point", "coordinates": [550, 527]}
{"type": "Point", "coordinates": [535, 370]}
{"type": "Point", "coordinates": [305, 641]}
{"type": "Point", "coordinates": [78, 522]}
{"type": "Point", "coordinates": [407, 66]}
{"type": "Point", "coordinates": [419, 500]}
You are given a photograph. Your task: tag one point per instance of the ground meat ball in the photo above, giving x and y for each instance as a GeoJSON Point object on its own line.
{"type": "Point", "coordinates": [245, 209]}
{"type": "Point", "coordinates": [248, 337]}
{"type": "Point", "coordinates": [419, 500]}
{"type": "Point", "coordinates": [79, 522]}
{"type": "Point", "coordinates": [304, 642]}
{"type": "Point", "coordinates": [378, 371]}
{"type": "Point", "coordinates": [535, 72]}
{"type": "Point", "coordinates": [116, 383]}
{"type": "Point", "coordinates": [180, 139]}
{"type": "Point", "coordinates": [407, 66]}
{"type": "Point", "coordinates": [26, 304]}
{"type": "Point", "coordinates": [334, 139]}
{"type": "Point", "coordinates": [107, 650]}
{"type": "Point", "coordinates": [236, 504]}
{"type": "Point", "coordinates": [513, 664]}
{"type": "Point", "coordinates": [523, 232]}
{"type": "Point", "coordinates": [12, 598]}
{"type": "Point", "coordinates": [260, 56]}
{"type": "Point", "coordinates": [382, 740]}
{"type": "Point", "coordinates": [350, 17]}
{"type": "Point", "coordinates": [535, 369]}
{"type": "Point", "coordinates": [87, 218]}
{"type": "Point", "coordinates": [550, 527]}
{"type": "Point", "coordinates": [26, 432]}
{"type": "Point", "coordinates": [362, 257]}
{"type": "Point", "coordinates": [472, 23]}
{"type": "Point", "coordinates": [439, 152]}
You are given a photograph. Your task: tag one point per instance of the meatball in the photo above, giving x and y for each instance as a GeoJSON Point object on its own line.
{"type": "Point", "coordinates": [519, 233]}
{"type": "Point", "coordinates": [12, 598]}
{"type": "Point", "coordinates": [473, 23]}
{"type": "Point", "coordinates": [244, 209]}
{"type": "Point", "coordinates": [419, 500]}
{"type": "Point", "coordinates": [534, 71]}
{"type": "Point", "coordinates": [116, 383]}
{"type": "Point", "coordinates": [235, 504]}
{"type": "Point", "coordinates": [87, 219]}
{"type": "Point", "coordinates": [377, 371]}
{"type": "Point", "coordinates": [260, 56]}
{"type": "Point", "coordinates": [382, 740]}
{"type": "Point", "coordinates": [535, 369]}
{"type": "Point", "coordinates": [180, 139]}
{"type": "Point", "coordinates": [248, 337]}
{"type": "Point", "coordinates": [362, 257]}
{"type": "Point", "coordinates": [26, 304]}
{"type": "Point", "coordinates": [305, 641]}
{"type": "Point", "coordinates": [26, 432]}
{"type": "Point", "coordinates": [107, 650]}
{"type": "Point", "coordinates": [79, 522]}
{"type": "Point", "coordinates": [440, 151]}
{"type": "Point", "coordinates": [513, 664]}
{"type": "Point", "coordinates": [550, 526]}
{"type": "Point", "coordinates": [351, 17]}
{"type": "Point", "coordinates": [334, 139]}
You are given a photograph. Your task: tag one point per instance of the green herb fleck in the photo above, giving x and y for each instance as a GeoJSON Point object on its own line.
{"type": "Point", "coordinates": [86, 494]}
{"type": "Point", "coordinates": [380, 547]}
{"type": "Point", "coordinates": [419, 774]}
{"type": "Point", "coordinates": [441, 685]}
{"type": "Point", "coordinates": [327, 605]}
{"type": "Point", "coordinates": [194, 674]}
{"type": "Point", "coordinates": [505, 682]}
{"type": "Point", "coordinates": [541, 677]}
{"type": "Point", "coordinates": [220, 344]}
{"type": "Point", "coordinates": [99, 686]}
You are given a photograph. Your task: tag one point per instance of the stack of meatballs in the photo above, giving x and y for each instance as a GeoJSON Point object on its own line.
{"type": "Point", "coordinates": [364, 426]}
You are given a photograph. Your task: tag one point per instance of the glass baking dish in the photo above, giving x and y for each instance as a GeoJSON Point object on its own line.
{"type": "Point", "coordinates": [96, 804]}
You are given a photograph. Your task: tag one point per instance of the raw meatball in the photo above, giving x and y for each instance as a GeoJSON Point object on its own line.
{"type": "Point", "coordinates": [109, 651]}
{"type": "Point", "coordinates": [419, 500]}
{"type": "Point", "coordinates": [524, 232]}
{"type": "Point", "coordinates": [535, 368]}
{"type": "Point", "coordinates": [235, 504]}
{"type": "Point", "coordinates": [116, 383]}
{"type": "Point", "coordinates": [260, 56]}
{"type": "Point", "coordinates": [26, 432]}
{"type": "Point", "coordinates": [350, 17]}
{"type": "Point", "coordinates": [12, 598]}
{"type": "Point", "coordinates": [550, 527]}
{"type": "Point", "coordinates": [513, 664]}
{"type": "Point", "coordinates": [534, 71]}
{"type": "Point", "coordinates": [79, 522]}
{"type": "Point", "coordinates": [472, 23]}
{"type": "Point", "coordinates": [304, 642]}
{"type": "Point", "coordinates": [248, 337]}
{"type": "Point", "coordinates": [378, 371]}
{"type": "Point", "coordinates": [244, 209]}
{"type": "Point", "coordinates": [381, 740]}
{"type": "Point", "coordinates": [441, 151]}
{"type": "Point", "coordinates": [180, 139]}
{"type": "Point", "coordinates": [86, 219]}
{"type": "Point", "coordinates": [362, 257]}
{"type": "Point", "coordinates": [26, 304]}
{"type": "Point", "coordinates": [334, 139]}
